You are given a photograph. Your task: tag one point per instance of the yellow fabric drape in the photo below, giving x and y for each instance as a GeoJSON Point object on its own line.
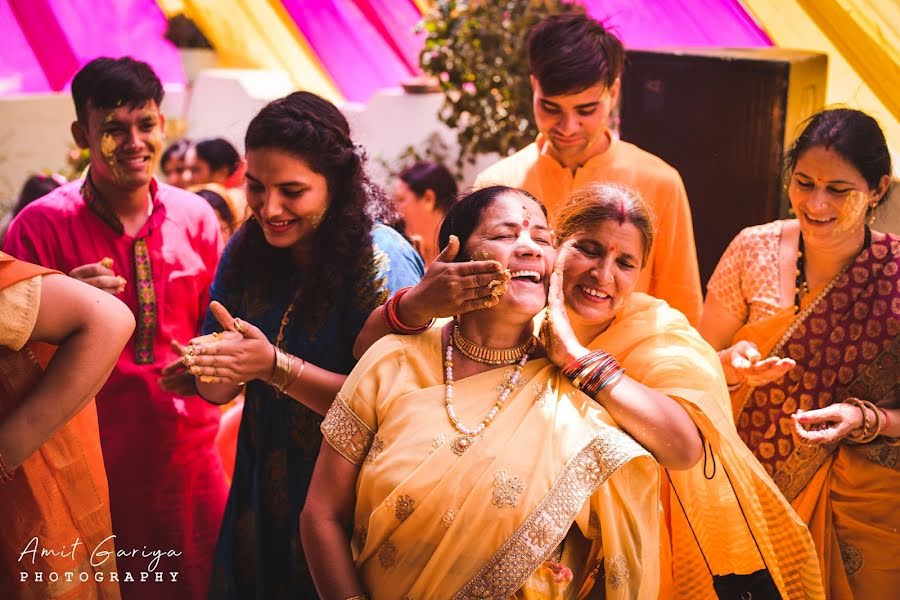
{"type": "Point", "coordinates": [552, 474]}
{"type": "Point", "coordinates": [171, 7]}
{"type": "Point", "coordinates": [260, 34]}
{"type": "Point", "coordinates": [864, 32]}
{"type": "Point", "coordinates": [789, 25]}
{"type": "Point", "coordinates": [658, 348]}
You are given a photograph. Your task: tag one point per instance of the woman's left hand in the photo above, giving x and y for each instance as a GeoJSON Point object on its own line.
{"type": "Point", "coordinates": [826, 425]}
{"type": "Point", "coordinates": [559, 339]}
{"type": "Point", "coordinates": [239, 354]}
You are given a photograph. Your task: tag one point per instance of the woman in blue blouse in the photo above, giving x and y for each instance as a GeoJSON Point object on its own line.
{"type": "Point", "coordinates": [301, 276]}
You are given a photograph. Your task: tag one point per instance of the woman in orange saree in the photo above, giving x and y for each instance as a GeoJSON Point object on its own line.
{"type": "Point", "coordinates": [806, 313]}
{"type": "Point", "coordinates": [53, 489]}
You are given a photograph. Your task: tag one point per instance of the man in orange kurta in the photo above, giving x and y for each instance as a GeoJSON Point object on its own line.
{"type": "Point", "coordinates": [576, 66]}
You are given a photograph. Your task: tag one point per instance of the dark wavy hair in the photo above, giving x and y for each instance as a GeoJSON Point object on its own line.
{"type": "Point", "coordinates": [218, 153]}
{"type": "Point", "coordinates": [464, 216]}
{"type": "Point", "coordinates": [851, 133]}
{"type": "Point", "coordinates": [570, 52]}
{"type": "Point", "coordinates": [426, 175]}
{"type": "Point", "coordinates": [313, 130]}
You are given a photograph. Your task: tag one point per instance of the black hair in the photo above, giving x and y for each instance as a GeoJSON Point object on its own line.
{"type": "Point", "coordinates": [175, 150]}
{"type": "Point", "coordinates": [570, 52]}
{"type": "Point", "coordinates": [106, 83]}
{"type": "Point", "coordinates": [220, 205]}
{"type": "Point", "coordinates": [218, 153]}
{"type": "Point", "coordinates": [35, 187]}
{"type": "Point", "coordinates": [851, 133]}
{"type": "Point", "coordinates": [313, 130]}
{"type": "Point", "coordinates": [464, 216]}
{"type": "Point", "coordinates": [426, 175]}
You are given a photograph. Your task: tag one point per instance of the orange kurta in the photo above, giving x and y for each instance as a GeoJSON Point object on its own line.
{"type": "Point", "coordinates": [59, 496]}
{"type": "Point", "coordinates": [671, 272]}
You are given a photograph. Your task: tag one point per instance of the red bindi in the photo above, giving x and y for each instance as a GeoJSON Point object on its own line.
{"type": "Point", "coordinates": [612, 248]}
{"type": "Point", "coordinates": [525, 223]}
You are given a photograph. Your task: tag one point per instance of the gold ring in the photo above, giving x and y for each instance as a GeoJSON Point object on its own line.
{"type": "Point", "coordinates": [239, 326]}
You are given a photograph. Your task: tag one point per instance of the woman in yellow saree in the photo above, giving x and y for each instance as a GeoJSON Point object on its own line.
{"type": "Point", "coordinates": [604, 233]}
{"type": "Point", "coordinates": [806, 313]}
{"type": "Point", "coordinates": [464, 480]}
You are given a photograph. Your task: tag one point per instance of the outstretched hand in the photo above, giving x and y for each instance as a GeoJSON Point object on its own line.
{"type": "Point", "coordinates": [238, 354]}
{"type": "Point", "coordinates": [452, 288]}
{"type": "Point", "coordinates": [748, 365]}
{"type": "Point", "coordinates": [826, 425]}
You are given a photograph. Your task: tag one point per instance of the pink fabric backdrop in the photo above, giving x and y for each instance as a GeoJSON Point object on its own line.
{"type": "Point", "coordinates": [363, 44]}
{"type": "Point", "coordinates": [670, 23]}
{"type": "Point", "coordinates": [354, 54]}
{"type": "Point", "coordinates": [64, 35]}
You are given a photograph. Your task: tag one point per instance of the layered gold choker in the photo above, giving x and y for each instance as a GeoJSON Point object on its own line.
{"type": "Point", "coordinates": [491, 356]}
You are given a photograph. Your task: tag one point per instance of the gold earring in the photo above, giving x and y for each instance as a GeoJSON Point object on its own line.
{"type": "Point", "coordinates": [872, 213]}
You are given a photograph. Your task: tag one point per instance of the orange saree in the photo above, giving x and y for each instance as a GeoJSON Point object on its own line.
{"type": "Point", "coordinates": [845, 342]}
{"type": "Point", "coordinates": [54, 512]}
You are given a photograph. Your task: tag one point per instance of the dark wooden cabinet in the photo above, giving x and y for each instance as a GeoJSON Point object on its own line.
{"type": "Point", "coordinates": [724, 118]}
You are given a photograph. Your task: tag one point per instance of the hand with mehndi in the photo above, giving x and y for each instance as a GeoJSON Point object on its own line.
{"type": "Point", "coordinates": [450, 288]}
{"type": "Point", "coordinates": [743, 362]}
{"type": "Point", "coordinates": [234, 356]}
{"type": "Point", "coordinates": [827, 425]}
{"type": "Point", "coordinates": [100, 275]}
{"type": "Point", "coordinates": [560, 342]}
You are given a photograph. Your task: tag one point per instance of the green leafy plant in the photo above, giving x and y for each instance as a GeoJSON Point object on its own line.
{"type": "Point", "coordinates": [477, 51]}
{"type": "Point", "coordinates": [433, 148]}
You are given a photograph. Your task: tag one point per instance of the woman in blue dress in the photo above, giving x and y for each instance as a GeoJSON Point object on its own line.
{"type": "Point", "coordinates": [292, 291]}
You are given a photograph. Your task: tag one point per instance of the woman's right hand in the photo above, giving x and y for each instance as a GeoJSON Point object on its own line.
{"type": "Point", "coordinates": [743, 363]}
{"type": "Point", "coordinates": [560, 342]}
{"type": "Point", "coordinates": [451, 288]}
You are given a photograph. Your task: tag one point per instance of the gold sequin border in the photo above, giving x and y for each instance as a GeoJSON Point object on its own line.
{"type": "Point", "coordinates": [346, 432]}
{"type": "Point", "coordinates": [520, 556]}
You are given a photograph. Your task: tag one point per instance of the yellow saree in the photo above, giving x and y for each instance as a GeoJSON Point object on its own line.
{"type": "Point", "coordinates": [549, 500]}
{"type": "Point", "coordinates": [659, 348]}
{"type": "Point", "coordinates": [845, 342]}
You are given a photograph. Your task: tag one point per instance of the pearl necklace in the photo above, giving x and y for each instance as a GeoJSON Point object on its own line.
{"type": "Point", "coordinates": [467, 435]}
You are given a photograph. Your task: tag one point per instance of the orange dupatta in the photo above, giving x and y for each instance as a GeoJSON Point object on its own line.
{"type": "Point", "coordinates": [59, 496]}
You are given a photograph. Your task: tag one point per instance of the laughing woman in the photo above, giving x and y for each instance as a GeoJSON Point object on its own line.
{"type": "Point", "coordinates": [466, 466]}
{"type": "Point", "coordinates": [306, 269]}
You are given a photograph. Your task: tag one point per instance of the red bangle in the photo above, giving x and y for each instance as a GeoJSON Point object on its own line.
{"type": "Point", "coordinates": [389, 313]}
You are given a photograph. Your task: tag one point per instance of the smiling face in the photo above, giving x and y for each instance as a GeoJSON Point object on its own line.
{"type": "Point", "coordinates": [575, 125]}
{"type": "Point", "coordinates": [513, 231]}
{"type": "Point", "coordinates": [125, 144]}
{"type": "Point", "coordinates": [600, 272]}
{"type": "Point", "coordinates": [287, 198]}
{"type": "Point", "coordinates": [829, 196]}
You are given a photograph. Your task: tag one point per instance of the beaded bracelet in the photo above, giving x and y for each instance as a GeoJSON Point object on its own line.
{"type": "Point", "coordinates": [394, 325]}
{"type": "Point", "coordinates": [6, 474]}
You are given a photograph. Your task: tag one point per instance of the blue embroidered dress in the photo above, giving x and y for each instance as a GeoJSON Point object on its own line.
{"type": "Point", "coordinates": [259, 554]}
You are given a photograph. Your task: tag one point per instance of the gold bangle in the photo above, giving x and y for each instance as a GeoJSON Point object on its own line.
{"type": "Point", "coordinates": [358, 597]}
{"type": "Point", "coordinates": [296, 377]}
{"type": "Point", "coordinates": [869, 431]}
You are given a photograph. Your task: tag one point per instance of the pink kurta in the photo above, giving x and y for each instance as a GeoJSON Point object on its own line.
{"type": "Point", "coordinates": [166, 482]}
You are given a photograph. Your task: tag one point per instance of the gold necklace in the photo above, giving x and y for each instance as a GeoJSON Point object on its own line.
{"type": "Point", "coordinates": [491, 356]}
{"type": "Point", "coordinates": [467, 435]}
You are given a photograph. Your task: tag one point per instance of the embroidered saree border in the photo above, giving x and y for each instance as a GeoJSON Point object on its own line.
{"type": "Point", "coordinates": [346, 432]}
{"type": "Point", "coordinates": [871, 380]}
{"type": "Point", "coordinates": [520, 556]}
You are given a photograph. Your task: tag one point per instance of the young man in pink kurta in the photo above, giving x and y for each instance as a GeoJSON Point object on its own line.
{"type": "Point", "coordinates": [167, 486]}
{"type": "Point", "coordinates": [576, 66]}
